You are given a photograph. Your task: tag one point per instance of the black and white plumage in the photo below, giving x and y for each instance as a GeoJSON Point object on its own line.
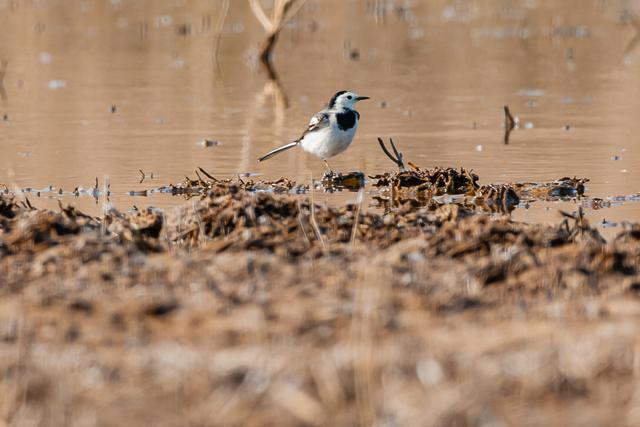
{"type": "Point", "coordinates": [330, 131]}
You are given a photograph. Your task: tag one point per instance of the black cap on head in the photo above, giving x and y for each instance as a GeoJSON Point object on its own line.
{"type": "Point", "coordinates": [332, 102]}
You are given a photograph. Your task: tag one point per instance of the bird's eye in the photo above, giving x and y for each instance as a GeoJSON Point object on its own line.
{"type": "Point", "coordinates": [349, 97]}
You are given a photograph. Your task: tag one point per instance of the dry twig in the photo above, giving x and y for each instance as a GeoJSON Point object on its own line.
{"type": "Point", "coordinates": [509, 124]}
{"type": "Point", "coordinates": [359, 199]}
{"type": "Point", "coordinates": [397, 157]}
{"type": "Point", "coordinates": [313, 221]}
{"type": "Point", "coordinates": [207, 174]}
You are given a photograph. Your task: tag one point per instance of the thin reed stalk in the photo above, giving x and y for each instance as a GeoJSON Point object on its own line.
{"type": "Point", "coordinates": [302, 223]}
{"type": "Point", "coordinates": [359, 199]}
{"type": "Point", "coordinates": [313, 221]}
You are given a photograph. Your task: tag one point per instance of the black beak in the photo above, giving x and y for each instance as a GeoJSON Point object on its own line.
{"type": "Point", "coordinates": [362, 98]}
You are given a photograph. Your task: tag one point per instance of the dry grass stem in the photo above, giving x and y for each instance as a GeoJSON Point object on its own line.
{"type": "Point", "coordinates": [396, 157]}
{"type": "Point", "coordinates": [356, 215]}
{"type": "Point", "coordinates": [314, 222]}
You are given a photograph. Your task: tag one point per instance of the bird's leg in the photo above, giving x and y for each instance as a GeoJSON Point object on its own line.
{"type": "Point", "coordinates": [328, 167]}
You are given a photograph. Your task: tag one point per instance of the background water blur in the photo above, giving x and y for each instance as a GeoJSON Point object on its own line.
{"type": "Point", "coordinates": [99, 88]}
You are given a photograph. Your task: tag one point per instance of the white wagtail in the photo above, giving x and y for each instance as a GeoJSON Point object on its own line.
{"type": "Point", "coordinates": [330, 131]}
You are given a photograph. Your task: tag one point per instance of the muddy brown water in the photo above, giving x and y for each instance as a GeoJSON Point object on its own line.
{"type": "Point", "coordinates": [105, 88]}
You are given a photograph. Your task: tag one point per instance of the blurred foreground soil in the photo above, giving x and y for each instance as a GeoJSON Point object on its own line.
{"type": "Point", "coordinates": [253, 308]}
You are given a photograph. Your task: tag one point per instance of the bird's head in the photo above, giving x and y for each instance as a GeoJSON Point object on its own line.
{"type": "Point", "coordinates": [345, 99]}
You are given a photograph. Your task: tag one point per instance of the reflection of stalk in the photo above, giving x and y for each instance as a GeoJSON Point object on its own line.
{"type": "Point", "coordinates": [282, 12]}
{"type": "Point", "coordinates": [272, 89]}
{"type": "Point", "coordinates": [3, 71]}
{"type": "Point", "coordinates": [218, 34]}
{"type": "Point", "coordinates": [636, 38]}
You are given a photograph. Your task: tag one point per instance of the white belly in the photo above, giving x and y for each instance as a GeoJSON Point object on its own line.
{"type": "Point", "coordinates": [328, 142]}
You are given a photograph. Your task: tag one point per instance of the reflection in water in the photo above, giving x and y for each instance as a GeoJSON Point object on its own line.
{"type": "Point", "coordinates": [3, 71]}
{"type": "Point", "coordinates": [218, 35]}
{"type": "Point", "coordinates": [633, 43]}
{"type": "Point", "coordinates": [282, 12]}
{"type": "Point", "coordinates": [438, 73]}
{"type": "Point", "coordinates": [272, 91]}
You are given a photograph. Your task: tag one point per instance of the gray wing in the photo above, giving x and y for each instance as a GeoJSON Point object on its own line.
{"type": "Point", "coordinates": [318, 122]}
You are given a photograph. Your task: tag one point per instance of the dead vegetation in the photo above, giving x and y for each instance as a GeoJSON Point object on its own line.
{"type": "Point", "coordinates": [247, 307]}
{"type": "Point", "coordinates": [421, 187]}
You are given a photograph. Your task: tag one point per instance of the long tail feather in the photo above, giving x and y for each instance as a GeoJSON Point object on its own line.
{"type": "Point", "coordinates": [272, 153]}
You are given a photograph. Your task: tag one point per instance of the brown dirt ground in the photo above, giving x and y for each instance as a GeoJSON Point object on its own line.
{"type": "Point", "coordinates": [247, 309]}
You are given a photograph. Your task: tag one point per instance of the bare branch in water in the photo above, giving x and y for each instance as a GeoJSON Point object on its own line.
{"type": "Point", "coordinates": [281, 13]}
{"type": "Point", "coordinates": [509, 124]}
{"type": "Point", "coordinates": [397, 158]}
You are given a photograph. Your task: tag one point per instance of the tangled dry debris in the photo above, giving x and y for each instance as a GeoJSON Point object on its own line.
{"type": "Point", "coordinates": [205, 183]}
{"type": "Point", "coordinates": [418, 187]}
{"type": "Point", "coordinates": [266, 308]}
{"type": "Point", "coordinates": [559, 189]}
{"type": "Point", "coordinates": [421, 186]}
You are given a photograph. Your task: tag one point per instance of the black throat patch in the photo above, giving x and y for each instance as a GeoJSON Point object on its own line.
{"type": "Point", "coordinates": [347, 119]}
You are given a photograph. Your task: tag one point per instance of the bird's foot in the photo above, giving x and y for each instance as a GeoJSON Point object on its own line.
{"type": "Point", "coordinates": [329, 174]}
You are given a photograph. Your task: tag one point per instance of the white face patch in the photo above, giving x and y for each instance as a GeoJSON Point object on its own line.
{"type": "Point", "coordinates": [346, 100]}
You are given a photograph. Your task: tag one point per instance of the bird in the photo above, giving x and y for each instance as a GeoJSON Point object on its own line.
{"type": "Point", "coordinates": [330, 131]}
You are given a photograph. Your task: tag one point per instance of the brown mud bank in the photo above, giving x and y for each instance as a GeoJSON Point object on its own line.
{"type": "Point", "coordinates": [247, 307]}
